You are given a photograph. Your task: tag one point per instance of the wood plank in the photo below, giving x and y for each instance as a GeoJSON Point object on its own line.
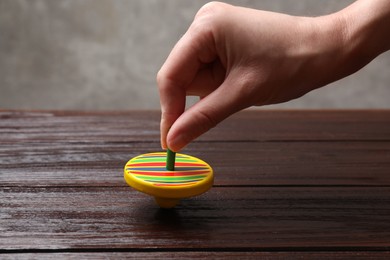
{"type": "Point", "coordinates": [201, 255]}
{"type": "Point", "coordinates": [304, 125]}
{"type": "Point", "coordinates": [234, 163]}
{"type": "Point", "coordinates": [143, 126]}
{"type": "Point", "coordinates": [36, 127]}
{"type": "Point", "coordinates": [282, 219]}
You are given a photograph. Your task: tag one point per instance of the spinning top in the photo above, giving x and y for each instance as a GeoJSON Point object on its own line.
{"type": "Point", "coordinates": [167, 179]}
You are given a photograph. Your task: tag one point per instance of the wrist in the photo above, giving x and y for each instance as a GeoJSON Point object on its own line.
{"type": "Point", "coordinates": [327, 50]}
{"type": "Point", "coordinates": [351, 38]}
{"type": "Point", "coordinates": [365, 30]}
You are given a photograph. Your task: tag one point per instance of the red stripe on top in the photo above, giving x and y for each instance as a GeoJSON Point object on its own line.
{"type": "Point", "coordinates": [176, 173]}
{"type": "Point", "coordinates": [163, 164]}
{"type": "Point", "coordinates": [174, 184]}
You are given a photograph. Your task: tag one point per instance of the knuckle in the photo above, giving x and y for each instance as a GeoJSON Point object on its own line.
{"type": "Point", "coordinates": [247, 87]}
{"type": "Point", "coordinates": [207, 17]}
{"type": "Point", "coordinates": [206, 122]}
{"type": "Point", "coordinates": [159, 78]}
{"type": "Point", "coordinates": [209, 9]}
{"type": "Point", "coordinates": [164, 82]}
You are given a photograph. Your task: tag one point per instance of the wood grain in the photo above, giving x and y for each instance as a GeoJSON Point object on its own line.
{"type": "Point", "coordinates": [288, 184]}
{"type": "Point", "coordinates": [300, 147]}
{"type": "Point", "coordinates": [199, 255]}
{"type": "Point", "coordinates": [223, 218]}
{"type": "Point", "coordinates": [143, 126]}
{"type": "Point", "coordinates": [234, 163]}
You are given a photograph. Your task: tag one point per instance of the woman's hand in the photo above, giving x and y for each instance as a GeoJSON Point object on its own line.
{"type": "Point", "coordinates": [234, 58]}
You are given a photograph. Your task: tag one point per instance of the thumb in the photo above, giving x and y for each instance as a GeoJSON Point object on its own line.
{"type": "Point", "coordinates": [203, 116]}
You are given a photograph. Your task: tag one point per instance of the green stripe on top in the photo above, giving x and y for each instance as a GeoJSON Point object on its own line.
{"type": "Point", "coordinates": [153, 166]}
{"type": "Point", "coordinates": [174, 179]}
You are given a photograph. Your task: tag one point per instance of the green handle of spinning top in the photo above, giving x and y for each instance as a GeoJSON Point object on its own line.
{"type": "Point", "coordinates": [171, 156]}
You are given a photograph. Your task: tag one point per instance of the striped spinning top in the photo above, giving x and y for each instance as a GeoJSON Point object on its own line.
{"type": "Point", "coordinates": [148, 173]}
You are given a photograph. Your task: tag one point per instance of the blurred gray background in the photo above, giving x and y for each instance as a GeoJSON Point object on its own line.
{"type": "Point", "coordinates": [104, 54]}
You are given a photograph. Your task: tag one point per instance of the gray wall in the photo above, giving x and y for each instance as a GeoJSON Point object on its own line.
{"type": "Point", "coordinates": [102, 54]}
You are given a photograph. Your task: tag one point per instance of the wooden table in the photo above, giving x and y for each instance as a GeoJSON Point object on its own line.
{"type": "Point", "coordinates": [304, 184]}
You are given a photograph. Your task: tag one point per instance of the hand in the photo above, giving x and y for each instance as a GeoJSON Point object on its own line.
{"type": "Point", "coordinates": [234, 58]}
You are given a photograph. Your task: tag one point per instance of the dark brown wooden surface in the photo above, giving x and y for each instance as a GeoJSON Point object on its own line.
{"type": "Point", "coordinates": [288, 184]}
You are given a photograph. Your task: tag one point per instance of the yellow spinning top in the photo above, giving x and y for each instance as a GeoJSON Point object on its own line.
{"type": "Point", "coordinates": [189, 177]}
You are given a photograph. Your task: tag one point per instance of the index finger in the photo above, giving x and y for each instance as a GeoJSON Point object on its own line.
{"type": "Point", "coordinates": [178, 71]}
